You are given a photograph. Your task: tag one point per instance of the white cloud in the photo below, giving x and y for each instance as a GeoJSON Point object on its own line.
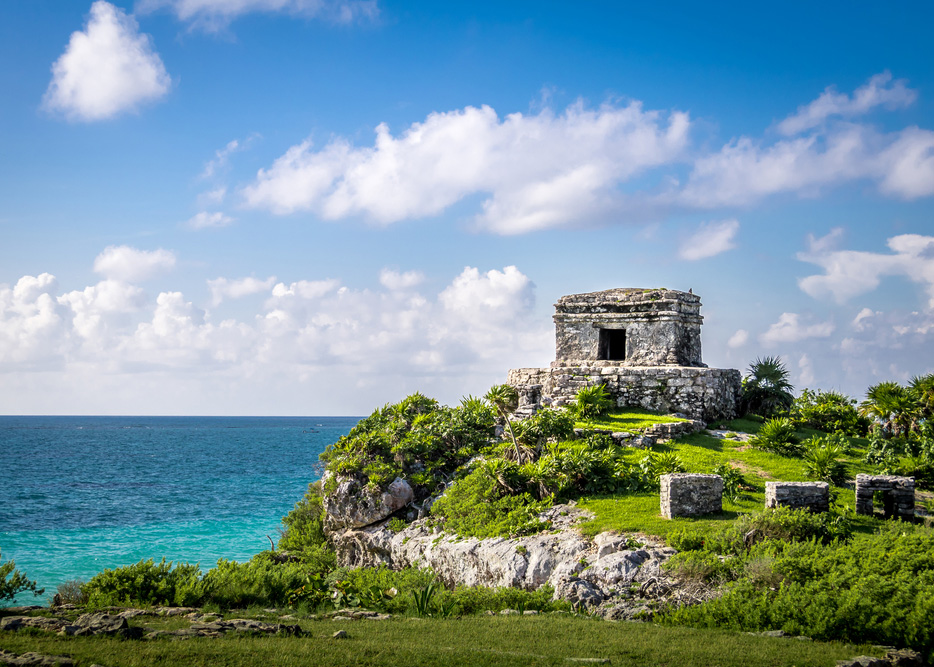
{"type": "Point", "coordinates": [220, 158]}
{"type": "Point", "coordinates": [880, 90]}
{"type": "Point", "coordinates": [223, 288]}
{"type": "Point", "coordinates": [478, 297]}
{"type": "Point", "coordinates": [91, 305]}
{"type": "Point", "coordinates": [540, 170]}
{"type": "Point", "coordinates": [131, 264]}
{"type": "Point", "coordinates": [746, 170]}
{"type": "Point", "coordinates": [107, 69]}
{"type": "Point", "coordinates": [305, 289]}
{"type": "Point", "coordinates": [790, 329]}
{"type": "Point", "coordinates": [205, 220]}
{"type": "Point", "coordinates": [848, 273]}
{"type": "Point", "coordinates": [738, 339]}
{"type": "Point", "coordinates": [805, 371]}
{"type": "Point", "coordinates": [585, 167]}
{"type": "Point", "coordinates": [214, 197]}
{"type": "Point", "coordinates": [394, 280]}
{"type": "Point", "coordinates": [31, 333]}
{"type": "Point", "coordinates": [710, 239]}
{"type": "Point", "coordinates": [213, 15]}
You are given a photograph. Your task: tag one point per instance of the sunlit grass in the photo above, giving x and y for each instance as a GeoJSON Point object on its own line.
{"type": "Point", "coordinates": [628, 419]}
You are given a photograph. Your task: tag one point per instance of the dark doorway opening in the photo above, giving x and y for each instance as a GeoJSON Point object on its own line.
{"type": "Point", "coordinates": [612, 345]}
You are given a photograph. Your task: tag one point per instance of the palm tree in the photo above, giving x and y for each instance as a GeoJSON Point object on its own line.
{"type": "Point", "coordinates": [893, 406]}
{"type": "Point", "coordinates": [766, 388]}
{"type": "Point", "coordinates": [505, 399]}
{"type": "Point", "coordinates": [922, 386]}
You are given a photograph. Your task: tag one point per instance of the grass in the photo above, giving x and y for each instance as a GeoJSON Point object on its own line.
{"type": "Point", "coordinates": [476, 640]}
{"type": "Point", "coordinates": [701, 453]}
{"type": "Point", "coordinates": [628, 419]}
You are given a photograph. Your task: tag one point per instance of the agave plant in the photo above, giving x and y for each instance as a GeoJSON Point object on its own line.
{"type": "Point", "coordinates": [591, 402]}
{"type": "Point", "coordinates": [822, 461]}
{"type": "Point", "coordinates": [778, 436]}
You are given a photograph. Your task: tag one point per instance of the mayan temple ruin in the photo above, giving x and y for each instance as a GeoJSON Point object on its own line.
{"type": "Point", "coordinates": [643, 345]}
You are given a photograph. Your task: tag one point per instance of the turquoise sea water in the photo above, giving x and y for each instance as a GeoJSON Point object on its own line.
{"type": "Point", "coordinates": [80, 494]}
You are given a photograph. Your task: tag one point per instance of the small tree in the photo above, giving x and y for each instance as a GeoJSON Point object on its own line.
{"type": "Point", "coordinates": [505, 399]}
{"type": "Point", "coordinates": [12, 582]}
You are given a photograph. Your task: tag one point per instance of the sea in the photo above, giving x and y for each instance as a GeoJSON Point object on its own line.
{"type": "Point", "coordinates": [81, 494]}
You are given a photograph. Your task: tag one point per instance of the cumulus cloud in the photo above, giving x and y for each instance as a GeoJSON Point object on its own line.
{"type": "Point", "coordinates": [746, 170]}
{"type": "Point", "coordinates": [880, 90]}
{"type": "Point", "coordinates": [205, 220]}
{"type": "Point", "coordinates": [710, 239]}
{"type": "Point", "coordinates": [540, 171]}
{"type": "Point", "coordinates": [91, 305]}
{"type": "Point", "coordinates": [131, 264]}
{"type": "Point", "coordinates": [583, 167]}
{"type": "Point", "coordinates": [399, 281]}
{"type": "Point", "coordinates": [106, 69]}
{"type": "Point", "coordinates": [31, 332]}
{"type": "Point", "coordinates": [224, 288]}
{"type": "Point", "coordinates": [214, 15]}
{"type": "Point", "coordinates": [738, 339]}
{"type": "Point", "coordinates": [790, 329]}
{"type": "Point", "coordinates": [848, 273]}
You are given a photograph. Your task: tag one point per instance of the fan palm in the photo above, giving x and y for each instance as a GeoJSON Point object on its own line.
{"type": "Point", "coordinates": [766, 387]}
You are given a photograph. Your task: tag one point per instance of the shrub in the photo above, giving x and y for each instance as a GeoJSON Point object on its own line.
{"type": "Point", "coordinates": [828, 411]}
{"type": "Point", "coordinates": [13, 582]}
{"type": "Point", "coordinates": [778, 436]}
{"type": "Point", "coordinates": [416, 439]}
{"type": "Point", "coordinates": [701, 567]}
{"type": "Point", "coordinates": [591, 402]}
{"type": "Point", "coordinates": [259, 581]}
{"type": "Point", "coordinates": [71, 592]}
{"type": "Point", "coordinates": [480, 505]}
{"type": "Point", "coordinates": [878, 590]}
{"type": "Point", "coordinates": [733, 480]}
{"type": "Point", "coordinates": [822, 459]}
{"type": "Point", "coordinates": [655, 464]}
{"type": "Point", "coordinates": [146, 583]}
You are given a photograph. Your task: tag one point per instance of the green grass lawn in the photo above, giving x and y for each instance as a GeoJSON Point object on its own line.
{"type": "Point", "coordinates": [701, 453]}
{"type": "Point", "coordinates": [628, 419]}
{"type": "Point", "coordinates": [476, 640]}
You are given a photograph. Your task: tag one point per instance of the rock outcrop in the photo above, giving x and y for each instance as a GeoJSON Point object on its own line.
{"type": "Point", "coordinates": [583, 571]}
{"type": "Point", "coordinates": [353, 504]}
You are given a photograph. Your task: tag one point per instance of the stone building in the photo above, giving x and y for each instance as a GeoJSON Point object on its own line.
{"type": "Point", "coordinates": [644, 345]}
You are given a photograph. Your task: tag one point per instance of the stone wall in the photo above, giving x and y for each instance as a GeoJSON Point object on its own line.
{"type": "Point", "coordinates": [899, 495]}
{"type": "Point", "coordinates": [688, 494]}
{"type": "Point", "coordinates": [708, 394]}
{"type": "Point", "coordinates": [814, 496]}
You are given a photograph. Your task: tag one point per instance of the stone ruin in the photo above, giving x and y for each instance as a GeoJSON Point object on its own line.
{"type": "Point", "coordinates": [898, 495]}
{"type": "Point", "coordinates": [814, 496]}
{"type": "Point", "coordinates": [644, 345]}
{"type": "Point", "coordinates": [688, 494]}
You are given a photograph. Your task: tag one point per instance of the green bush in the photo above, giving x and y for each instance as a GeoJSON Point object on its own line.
{"type": "Point", "coordinates": [822, 459]}
{"type": "Point", "coordinates": [481, 505]}
{"type": "Point", "coordinates": [259, 581]}
{"type": "Point", "coordinates": [702, 566]}
{"type": "Point", "coordinates": [465, 600]}
{"type": "Point", "coordinates": [72, 591]}
{"type": "Point", "coordinates": [733, 480]}
{"type": "Point", "coordinates": [778, 436]}
{"type": "Point", "coordinates": [879, 589]}
{"type": "Point", "coordinates": [13, 582]}
{"type": "Point", "coordinates": [828, 411]}
{"type": "Point", "coordinates": [146, 583]}
{"type": "Point", "coordinates": [766, 390]}
{"type": "Point", "coordinates": [591, 402]}
{"type": "Point", "coordinates": [415, 439]}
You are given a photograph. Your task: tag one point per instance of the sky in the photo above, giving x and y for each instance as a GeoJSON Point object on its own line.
{"type": "Point", "coordinates": [316, 207]}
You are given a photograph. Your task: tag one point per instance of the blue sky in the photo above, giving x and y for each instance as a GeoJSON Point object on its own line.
{"type": "Point", "coordinates": [317, 206]}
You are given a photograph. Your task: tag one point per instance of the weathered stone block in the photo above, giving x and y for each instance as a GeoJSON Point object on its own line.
{"type": "Point", "coordinates": [898, 495]}
{"type": "Point", "coordinates": [689, 494]}
{"type": "Point", "coordinates": [814, 496]}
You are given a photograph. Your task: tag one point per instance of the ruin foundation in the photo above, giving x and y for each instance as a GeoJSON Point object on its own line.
{"type": "Point", "coordinates": [814, 496]}
{"type": "Point", "coordinates": [898, 495]}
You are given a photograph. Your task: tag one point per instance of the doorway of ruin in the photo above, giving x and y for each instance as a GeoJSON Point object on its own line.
{"type": "Point", "coordinates": [612, 345]}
